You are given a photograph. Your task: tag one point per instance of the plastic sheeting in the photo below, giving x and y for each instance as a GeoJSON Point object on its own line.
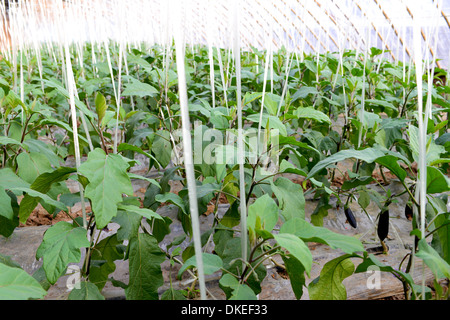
{"type": "Point", "coordinates": [298, 25]}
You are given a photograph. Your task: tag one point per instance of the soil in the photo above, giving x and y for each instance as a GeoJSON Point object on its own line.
{"type": "Point", "coordinates": [40, 217]}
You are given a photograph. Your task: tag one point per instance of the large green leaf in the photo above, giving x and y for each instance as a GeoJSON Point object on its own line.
{"type": "Point", "coordinates": [102, 260]}
{"type": "Point", "coordinates": [145, 268]}
{"type": "Point", "coordinates": [16, 284]}
{"type": "Point", "coordinates": [310, 233]}
{"type": "Point", "coordinates": [137, 88]}
{"type": "Point", "coordinates": [60, 246]}
{"type": "Point", "coordinates": [436, 181]}
{"type": "Point", "coordinates": [290, 197]}
{"type": "Point", "coordinates": [263, 214]}
{"type": "Point", "coordinates": [238, 291]}
{"type": "Point", "coordinates": [87, 291]}
{"type": "Point", "coordinates": [6, 140]}
{"type": "Point", "coordinates": [130, 147]}
{"type": "Point", "coordinates": [297, 249]}
{"type": "Point", "coordinates": [31, 165]}
{"type": "Point", "coordinates": [296, 273]}
{"type": "Point", "coordinates": [80, 105]}
{"type": "Point", "coordinates": [311, 113]}
{"type": "Point", "coordinates": [8, 220]}
{"type": "Point", "coordinates": [433, 260]}
{"type": "Point", "coordinates": [42, 184]}
{"type": "Point", "coordinates": [273, 122]}
{"type": "Point", "coordinates": [211, 263]}
{"type": "Point", "coordinates": [108, 180]}
{"type": "Point", "coordinates": [8, 179]}
{"type": "Point", "coordinates": [391, 163]}
{"type": "Point", "coordinates": [27, 206]}
{"type": "Point", "coordinates": [368, 155]}
{"type": "Point", "coordinates": [129, 224]}
{"type": "Point", "coordinates": [9, 209]}
{"type": "Point", "coordinates": [162, 148]}
{"type": "Point", "coordinates": [442, 237]}
{"type": "Point", "coordinates": [328, 286]}
{"type": "Point", "coordinates": [172, 198]}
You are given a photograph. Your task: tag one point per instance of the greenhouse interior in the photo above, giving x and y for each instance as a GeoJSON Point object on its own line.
{"type": "Point", "coordinates": [224, 150]}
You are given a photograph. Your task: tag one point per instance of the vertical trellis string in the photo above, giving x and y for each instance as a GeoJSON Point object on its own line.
{"type": "Point", "coordinates": [187, 148]}
{"type": "Point", "coordinates": [240, 142]}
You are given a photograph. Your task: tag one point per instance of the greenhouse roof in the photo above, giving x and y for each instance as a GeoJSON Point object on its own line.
{"type": "Point", "coordinates": [297, 25]}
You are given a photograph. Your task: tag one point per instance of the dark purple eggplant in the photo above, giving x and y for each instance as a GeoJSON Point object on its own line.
{"type": "Point", "coordinates": [408, 212]}
{"type": "Point", "coordinates": [383, 224]}
{"type": "Point", "coordinates": [350, 217]}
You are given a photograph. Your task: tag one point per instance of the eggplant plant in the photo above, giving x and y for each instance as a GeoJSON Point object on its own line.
{"type": "Point", "coordinates": [308, 115]}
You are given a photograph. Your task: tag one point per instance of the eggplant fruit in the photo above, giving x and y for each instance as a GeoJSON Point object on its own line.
{"type": "Point", "coordinates": [350, 217]}
{"type": "Point", "coordinates": [383, 225]}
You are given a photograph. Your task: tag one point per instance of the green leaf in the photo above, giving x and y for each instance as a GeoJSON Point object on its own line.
{"type": "Point", "coordinates": [271, 102]}
{"type": "Point", "coordinates": [42, 184]}
{"type": "Point", "coordinates": [290, 197]}
{"type": "Point", "coordinates": [129, 224]}
{"type": "Point", "coordinates": [238, 291]}
{"type": "Point", "coordinates": [356, 182]}
{"type": "Point", "coordinates": [162, 148]}
{"type": "Point", "coordinates": [8, 179]}
{"type": "Point", "coordinates": [28, 206]}
{"type": "Point", "coordinates": [141, 89]}
{"type": "Point", "coordinates": [171, 294]}
{"type": "Point", "coordinates": [433, 260]}
{"type": "Point", "coordinates": [129, 147]}
{"type": "Point", "coordinates": [243, 292]}
{"type": "Point", "coordinates": [311, 113]}
{"type": "Point", "coordinates": [108, 180]}
{"type": "Point", "coordinates": [266, 210]}
{"type": "Point", "coordinates": [100, 106]}
{"type": "Point", "coordinates": [304, 91]}
{"type": "Point", "coordinates": [368, 155]}
{"type": "Point", "coordinates": [310, 233]}
{"type": "Point", "coordinates": [105, 252]}
{"type": "Point", "coordinates": [250, 97]}
{"type": "Point", "coordinates": [437, 182]}
{"type": "Point", "coordinates": [80, 105]}
{"type": "Point", "coordinates": [442, 224]}
{"type": "Point", "coordinates": [211, 263]}
{"type": "Point", "coordinates": [172, 198]}
{"type": "Point", "coordinates": [9, 212]}
{"type": "Point", "coordinates": [31, 165]}
{"type": "Point", "coordinates": [328, 286]}
{"type": "Point", "coordinates": [16, 284]}
{"type": "Point", "coordinates": [297, 248]}
{"type": "Point", "coordinates": [5, 140]}
{"type": "Point", "coordinates": [145, 268]}
{"type": "Point", "coordinates": [381, 103]}
{"type": "Point", "coordinates": [391, 163]}
{"type": "Point", "coordinates": [272, 121]}
{"type": "Point", "coordinates": [87, 291]}
{"type": "Point", "coordinates": [296, 273]}
{"type": "Point", "coordinates": [144, 212]}
{"type": "Point", "coordinates": [60, 246]}
{"type": "Point", "coordinates": [5, 205]}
